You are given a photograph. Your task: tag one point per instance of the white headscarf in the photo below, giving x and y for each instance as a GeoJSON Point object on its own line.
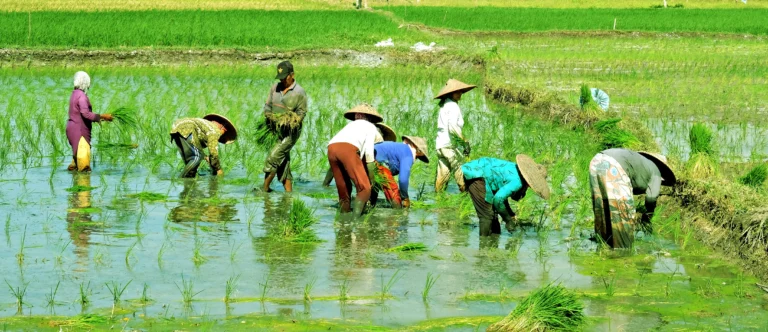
{"type": "Point", "coordinates": [82, 81]}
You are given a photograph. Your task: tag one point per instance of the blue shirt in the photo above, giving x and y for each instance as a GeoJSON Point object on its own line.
{"type": "Point", "coordinates": [502, 178]}
{"type": "Point", "coordinates": [399, 159]}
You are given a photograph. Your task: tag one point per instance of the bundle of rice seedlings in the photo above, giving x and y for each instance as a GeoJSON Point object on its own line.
{"type": "Point", "coordinates": [296, 227]}
{"type": "Point", "coordinates": [701, 164]}
{"type": "Point", "coordinates": [409, 247]}
{"type": "Point", "coordinates": [265, 135]}
{"type": "Point", "coordinates": [126, 117]}
{"type": "Point", "coordinates": [458, 142]}
{"type": "Point", "coordinates": [288, 120]}
{"type": "Point", "coordinates": [756, 176]}
{"type": "Point", "coordinates": [551, 307]}
{"type": "Point", "coordinates": [614, 137]}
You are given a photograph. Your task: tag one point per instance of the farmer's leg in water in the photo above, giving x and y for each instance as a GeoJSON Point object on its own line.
{"type": "Point", "coordinates": [191, 155]}
{"type": "Point", "coordinates": [347, 168]}
{"type": "Point", "coordinates": [485, 214]}
{"type": "Point", "coordinates": [278, 161]}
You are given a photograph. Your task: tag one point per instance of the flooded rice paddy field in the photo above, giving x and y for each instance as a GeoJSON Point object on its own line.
{"type": "Point", "coordinates": [174, 244]}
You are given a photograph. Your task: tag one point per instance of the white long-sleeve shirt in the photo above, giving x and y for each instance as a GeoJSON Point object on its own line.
{"type": "Point", "coordinates": [360, 133]}
{"type": "Point", "coordinates": [449, 120]}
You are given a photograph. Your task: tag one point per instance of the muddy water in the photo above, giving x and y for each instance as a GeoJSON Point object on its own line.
{"type": "Point", "coordinates": [105, 235]}
{"type": "Point", "coordinates": [206, 231]}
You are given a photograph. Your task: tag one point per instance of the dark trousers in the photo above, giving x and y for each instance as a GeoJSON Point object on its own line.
{"type": "Point", "coordinates": [347, 167]}
{"type": "Point", "coordinates": [489, 222]}
{"type": "Point", "coordinates": [189, 153]}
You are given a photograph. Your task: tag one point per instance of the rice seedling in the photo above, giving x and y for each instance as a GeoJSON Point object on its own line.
{"type": "Point", "coordinates": [387, 287]}
{"type": "Point", "coordinates": [265, 135]}
{"type": "Point", "coordinates": [144, 298]}
{"type": "Point", "coordinates": [117, 290]}
{"type": "Point", "coordinates": [50, 298]}
{"type": "Point", "coordinates": [264, 287]}
{"type": "Point", "coordinates": [551, 307]}
{"type": "Point", "coordinates": [409, 247]}
{"type": "Point", "coordinates": [308, 289]}
{"type": "Point", "coordinates": [609, 283]}
{"type": "Point", "coordinates": [20, 254]}
{"type": "Point", "coordinates": [428, 284]}
{"type": "Point", "coordinates": [129, 253]}
{"type": "Point", "coordinates": [701, 164]}
{"type": "Point", "coordinates": [18, 293]}
{"type": "Point", "coordinates": [700, 138]}
{"type": "Point", "coordinates": [187, 290]}
{"type": "Point", "coordinates": [126, 117]}
{"type": "Point", "coordinates": [160, 253]}
{"type": "Point", "coordinates": [344, 290]}
{"type": "Point", "coordinates": [755, 178]}
{"type": "Point", "coordinates": [614, 137]}
{"type": "Point", "coordinates": [85, 293]}
{"type": "Point", "coordinates": [230, 288]}
{"type": "Point", "coordinates": [197, 256]}
{"type": "Point", "coordinates": [296, 228]}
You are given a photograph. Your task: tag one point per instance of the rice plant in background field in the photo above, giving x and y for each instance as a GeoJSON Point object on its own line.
{"type": "Point", "coordinates": [755, 178]}
{"type": "Point", "coordinates": [702, 163]}
{"type": "Point", "coordinates": [551, 307]}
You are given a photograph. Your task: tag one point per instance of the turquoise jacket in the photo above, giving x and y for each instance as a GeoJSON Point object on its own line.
{"type": "Point", "coordinates": [502, 179]}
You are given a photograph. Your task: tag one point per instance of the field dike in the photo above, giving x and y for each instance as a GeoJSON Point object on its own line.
{"type": "Point", "coordinates": [727, 216]}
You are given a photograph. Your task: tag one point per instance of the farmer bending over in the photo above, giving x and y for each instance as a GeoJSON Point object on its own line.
{"type": "Point", "coordinates": [491, 181]}
{"type": "Point", "coordinates": [614, 176]}
{"type": "Point", "coordinates": [397, 158]}
{"type": "Point", "coordinates": [385, 134]}
{"type": "Point", "coordinates": [193, 135]}
{"type": "Point", "coordinates": [284, 110]}
{"type": "Point", "coordinates": [351, 157]}
{"type": "Point", "coordinates": [80, 122]}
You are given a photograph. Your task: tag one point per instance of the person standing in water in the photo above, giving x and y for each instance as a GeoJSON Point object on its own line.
{"type": "Point", "coordinates": [450, 122]}
{"type": "Point", "coordinates": [284, 110]}
{"type": "Point", "coordinates": [193, 135]}
{"type": "Point", "coordinates": [397, 159]}
{"type": "Point", "coordinates": [80, 122]}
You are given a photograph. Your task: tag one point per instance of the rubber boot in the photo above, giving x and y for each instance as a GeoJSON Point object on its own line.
{"type": "Point", "coordinates": [268, 177]}
{"type": "Point", "coordinates": [288, 185]}
{"type": "Point", "coordinates": [358, 207]}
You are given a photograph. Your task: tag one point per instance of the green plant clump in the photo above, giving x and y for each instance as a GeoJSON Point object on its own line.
{"type": "Point", "coordinates": [700, 138]}
{"type": "Point", "coordinates": [409, 247]}
{"type": "Point", "coordinates": [755, 177]}
{"type": "Point", "coordinates": [701, 164]}
{"type": "Point", "coordinates": [126, 117]}
{"type": "Point", "coordinates": [551, 307]}
{"type": "Point", "coordinates": [296, 228]}
{"type": "Point", "coordinates": [614, 137]}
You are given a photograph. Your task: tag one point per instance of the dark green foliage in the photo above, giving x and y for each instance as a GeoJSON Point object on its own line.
{"type": "Point", "coordinates": [264, 136]}
{"type": "Point", "coordinates": [296, 227]}
{"type": "Point", "coordinates": [551, 307]}
{"type": "Point", "coordinates": [700, 138]}
{"type": "Point", "coordinates": [756, 176]}
{"type": "Point", "coordinates": [585, 97]}
{"type": "Point", "coordinates": [409, 247]}
{"type": "Point", "coordinates": [752, 20]}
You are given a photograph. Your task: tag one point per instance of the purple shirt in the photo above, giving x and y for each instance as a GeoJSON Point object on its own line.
{"type": "Point", "coordinates": [80, 119]}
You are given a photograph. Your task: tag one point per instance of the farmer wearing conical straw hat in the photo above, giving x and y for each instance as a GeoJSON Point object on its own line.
{"type": "Point", "coordinates": [193, 135]}
{"type": "Point", "coordinates": [614, 176]}
{"type": "Point", "coordinates": [284, 110]}
{"type": "Point", "coordinates": [449, 137]}
{"type": "Point", "coordinates": [397, 159]}
{"type": "Point", "coordinates": [491, 181]}
{"type": "Point", "coordinates": [79, 124]}
{"type": "Point", "coordinates": [351, 157]}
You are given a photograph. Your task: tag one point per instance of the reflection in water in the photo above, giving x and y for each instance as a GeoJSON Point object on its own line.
{"type": "Point", "coordinates": [79, 218]}
{"type": "Point", "coordinates": [195, 205]}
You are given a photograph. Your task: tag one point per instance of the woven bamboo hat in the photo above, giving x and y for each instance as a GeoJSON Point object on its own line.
{"type": "Point", "coordinates": [667, 175]}
{"type": "Point", "coordinates": [421, 146]}
{"type": "Point", "coordinates": [364, 109]}
{"type": "Point", "coordinates": [453, 86]}
{"type": "Point", "coordinates": [534, 174]}
{"type": "Point", "coordinates": [387, 133]}
{"type": "Point", "coordinates": [231, 134]}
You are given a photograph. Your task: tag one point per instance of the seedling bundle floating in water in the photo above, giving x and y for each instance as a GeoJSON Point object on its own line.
{"type": "Point", "coordinates": [551, 307]}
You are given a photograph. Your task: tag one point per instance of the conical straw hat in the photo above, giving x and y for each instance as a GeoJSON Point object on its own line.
{"type": "Point", "coordinates": [364, 109]}
{"type": "Point", "coordinates": [231, 134]}
{"type": "Point", "coordinates": [534, 174]}
{"type": "Point", "coordinates": [452, 86]}
{"type": "Point", "coordinates": [667, 175]}
{"type": "Point", "coordinates": [421, 146]}
{"type": "Point", "coordinates": [387, 133]}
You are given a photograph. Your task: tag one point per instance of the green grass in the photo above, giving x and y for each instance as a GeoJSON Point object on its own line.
{"type": "Point", "coordinates": [756, 176]}
{"type": "Point", "coordinates": [751, 21]}
{"type": "Point", "coordinates": [272, 30]}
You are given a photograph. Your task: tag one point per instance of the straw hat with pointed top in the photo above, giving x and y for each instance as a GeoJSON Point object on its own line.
{"type": "Point", "coordinates": [533, 174]}
{"type": "Point", "coordinates": [453, 86]}
{"type": "Point", "coordinates": [421, 146]}
{"type": "Point", "coordinates": [387, 133]}
{"type": "Point", "coordinates": [364, 109]}
{"type": "Point", "coordinates": [231, 134]}
{"type": "Point", "coordinates": [668, 177]}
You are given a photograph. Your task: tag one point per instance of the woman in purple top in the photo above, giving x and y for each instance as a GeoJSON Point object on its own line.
{"type": "Point", "coordinates": [79, 123]}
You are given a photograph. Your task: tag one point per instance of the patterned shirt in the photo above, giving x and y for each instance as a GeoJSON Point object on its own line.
{"type": "Point", "coordinates": [502, 179]}
{"type": "Point", "coordinates": [204, 134]}
{"type": "Point", "coordinates": [293, 100]}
